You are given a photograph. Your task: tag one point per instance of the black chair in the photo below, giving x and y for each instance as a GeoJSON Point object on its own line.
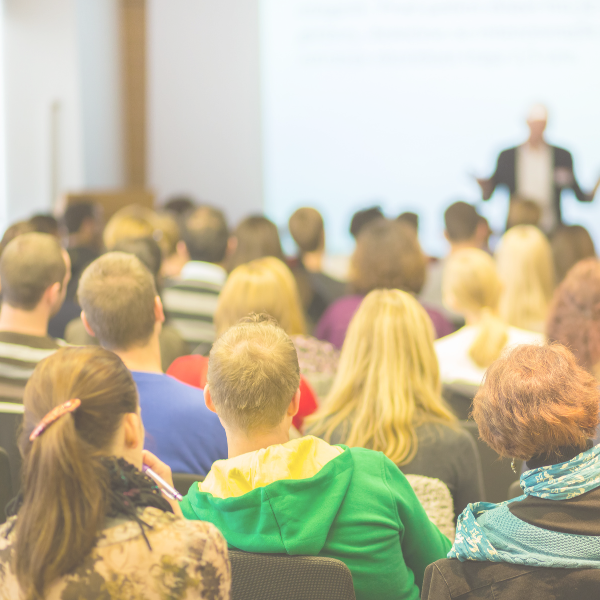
{"type": "Point", "coordinates": [183, 481]}
{"type": "Point", "coordinates": [6, 489]}
{"type": "Point", "coordinates": [282, 577]}
{"type": "Point", "coordinates": [497, 472]}
{"type": "Point", "coordinates": [460, 398]}
{"type": "Point", "coordinates": [11, 418]}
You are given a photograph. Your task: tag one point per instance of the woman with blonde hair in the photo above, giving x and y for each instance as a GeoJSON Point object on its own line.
{"type": "Point", "coordinates": [471, 287]}
{"type": "Point", "coordinates": [386, 396]}
{"type": "Point", "coordinates": [526, 268]}
{"type": "Point", "coordinates": [266, 285]}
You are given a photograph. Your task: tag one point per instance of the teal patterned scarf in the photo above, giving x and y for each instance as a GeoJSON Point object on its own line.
{"type": "Point", "coordinates": [489, 532]}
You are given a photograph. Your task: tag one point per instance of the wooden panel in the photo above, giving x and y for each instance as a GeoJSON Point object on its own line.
{"type": "Point", "coordinates": [133, 52]}
{"type": "Point", "coordinates": [113, 200]}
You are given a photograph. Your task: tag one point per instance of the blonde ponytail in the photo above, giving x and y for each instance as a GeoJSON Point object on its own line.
{"type": "Point", "coordinates": [491, 338]}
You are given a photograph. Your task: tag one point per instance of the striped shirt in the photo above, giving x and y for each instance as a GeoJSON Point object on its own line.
{"type": "Point", "coordinates": [191, 301]}
{"type": "Point", "coordinates": [19, 355]}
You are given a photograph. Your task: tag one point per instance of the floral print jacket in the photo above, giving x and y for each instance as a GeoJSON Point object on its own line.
{"type": "Point", "coordinates": [188, 561]}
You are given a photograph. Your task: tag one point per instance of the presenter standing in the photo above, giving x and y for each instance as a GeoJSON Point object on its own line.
{"type": "Point", "coordinates": [538, 172]}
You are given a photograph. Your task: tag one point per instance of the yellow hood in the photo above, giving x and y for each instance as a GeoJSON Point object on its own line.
{"type": "Point", "coordinates": [297, 459]}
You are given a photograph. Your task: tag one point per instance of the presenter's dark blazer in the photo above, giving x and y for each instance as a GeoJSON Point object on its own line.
{"type": "Point", "coordinates": [506, 169]}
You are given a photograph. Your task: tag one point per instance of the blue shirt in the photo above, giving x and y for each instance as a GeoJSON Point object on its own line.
{"type": "Point", "coordinates": [180, 430]}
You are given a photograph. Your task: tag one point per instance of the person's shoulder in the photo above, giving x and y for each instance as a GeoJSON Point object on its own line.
{"type": "Point", "coordinates": [464, 336]}
{"type": "Point", "coordinates": [518, 336]}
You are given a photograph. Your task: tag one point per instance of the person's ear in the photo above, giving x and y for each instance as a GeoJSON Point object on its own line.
{"type": "Point", "coordinates": [294, 406]}
{"type": "Point", "coordinates": [87, 325]}
{"type": "Point", "coordinates": [159, 312]}
{"type": "Point", "coordinates": [132, 425]}
{"type": "Point", "coordinates": [208, 399]}
{"type": "Point", "coordinates": [232, 244]}
{"type": "Point", "coordinates": [446, 236]}
{"type": "Point", "coordinates": [182, 251]}
{"type": "Point", "coordinates": [53, 293]}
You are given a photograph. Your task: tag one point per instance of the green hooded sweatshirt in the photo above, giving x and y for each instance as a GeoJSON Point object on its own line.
{"type": "Point", "coordinates": [309, 498]}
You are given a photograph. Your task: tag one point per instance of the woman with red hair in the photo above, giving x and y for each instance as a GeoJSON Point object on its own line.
{"type": "Point", "coordinates": [537, 404]}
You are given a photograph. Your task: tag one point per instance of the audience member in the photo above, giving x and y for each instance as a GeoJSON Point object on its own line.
{"type": "Point", "coordinates": [172, 345]}
{"type": "Point", "coordinates": [522, 212]}
{"type": "Point", "coordinates": [317, 290]}
{"type": "Point", "coordinates": [362, 218]}
{"type": "Point", "coordinates": [191, 299]}
{"type": "Point", "coordinates": [255, 237]}
{"type": "Point", "coordinates": [304, 496]}
{"type": "Point", "coordinates": [387, 255]}
{"type": "Point", "coordinates": [44, 223]}
{"type": "Point", "coordinates": [15, 230]}
{"type": "Point", "coordinates": [526, 269]}
{"type": "Point", "coordinates": [175, 254]}
{"type": "Point", "coordinates": [132, 221]}
{"type": "Point", "coordinates": [570, 244]}
{"type": "Point", "coordinates": [539, 405]}
{"type": "Point", "coordinates": [387, 396]}
{"type": "Point", "coordinates": [464, 229]}
{"type": "Point", "coordinates": [410, 218]}
{"type": "Point", "coordinates": [122, 309]}
{"type": "Point", "coordinates": [89, 524]}
{"type": "Point", "coordinates": [471, 286]}
{"type": "Point", "coordinates": [83, 223]}
{"type": "Point", "coordinates": [179, 205]}
{"type": "Point", "coordinates": [34, 274]}
{"type": "Point", "coordinates": [574, 318]}
{"type": "Point", "coordinates": [266, 285]}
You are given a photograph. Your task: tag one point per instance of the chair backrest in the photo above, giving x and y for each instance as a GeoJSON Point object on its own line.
{"type": "Point", "coordinates": [6, 489]}
{"type": "Point", "coordinates": [497, 472]}
{"type": "Point", "coordinates": [11, 418]}
{"type": "Point", "coordinates": [436, 499]}
{"type": "Point", "coordinates": [277, 576]}
{"type": "Point", "coordinates": [183, 481]}
{"type": "Point", "coordinates": [460, 398]}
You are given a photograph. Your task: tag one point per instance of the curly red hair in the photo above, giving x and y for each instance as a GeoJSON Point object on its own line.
{"type": "Point", "coordinates": [574, 318]}
{"type": "Point", "coordinates": [535, 400]}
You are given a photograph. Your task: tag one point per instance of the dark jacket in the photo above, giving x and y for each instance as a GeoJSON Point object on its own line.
{"type": "Point", "coordinates": [450, 579]}
{"type": "Point", "coordinates": [506, 169]}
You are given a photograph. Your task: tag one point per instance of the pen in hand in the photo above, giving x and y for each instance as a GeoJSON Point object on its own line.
{"type": "Point", "coordinates": [168, 490]}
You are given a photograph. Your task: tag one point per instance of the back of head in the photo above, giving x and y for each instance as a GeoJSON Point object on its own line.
{"type": "Point", "coordinates": [29, 265]}
{"type": "Point", "coordinates": [526, 269]}
{"type": "Point", "coordinates": [130, 222]}
{"type": "Point", "coordinates": [574, 317]}
{"type": "Point", "coordinates": [265, 285]}
{"type": "Point", "coordinates": [307, 229]}
{"type": "Point", "coordinates": [522, 212]}
{"type": "Point", "coordinates": [410, 218]}
{"type": "Point", "coordinates": [169, 233]}
{"type": "Point", "coordinates": [146, 249]}
{"type": "Point", "coordinates": [65, 485]}
{"type": "Point", "coordinates": [362, 218]}
{"type": "Point", "coordinates": [117, 294]}
{"type": "Point", "coordinates": [536, 400]}
{"type": "Point", "coordinates": [570, 244]}
{"type": "Point", "coordinates": [77, 213]}
{"type": "Point", "coordinates": [388, 378]}
{"type": "Point", "coordinates": [256, 237]}
{"type": "Point", "coordinates": [253, 375]}
{"type": "Point", "coordinates": [13, 231]}
{"type": "Point", "coordinates": [206, 234]}
{"type": "Point", "coordinates": [44, 223]}
{"type": "Point", "coordinates": [471, 286]}
{"type": "Point", "coordinates": [179, 205]}
{"type": "Point", "coordinates": [388, 255]}
{"type": "Point", "coordinates": [461, 220]}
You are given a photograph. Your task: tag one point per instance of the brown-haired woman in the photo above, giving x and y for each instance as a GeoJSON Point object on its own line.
{"type": "Point", "coordinates": [387, 256]}
{"type": "Point", "coordinates": [89, 524]}
{"type": "Point", "coordinates": [539, 405]}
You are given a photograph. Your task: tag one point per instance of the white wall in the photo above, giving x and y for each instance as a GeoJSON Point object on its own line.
{"type": "Point", "coordinates": [62, 53]}
{"type": "Point", "coordinates": [204, 102]}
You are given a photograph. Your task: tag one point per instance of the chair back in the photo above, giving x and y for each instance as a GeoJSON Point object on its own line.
{"type": "Point", "coordinates": [460, 398]}
{"type": "Point", "coordinates": [182, 482]}
{"type": "Point", "coordinates": [278, 576]}
{"type": "Point", "coordinates": [497, 472]}
{"type": "Point", "coordinates": [6, 489]}
{"type": "Point", "coordinates": [436, 499]}
{"type": "Point", "coordinates": [11, 418]}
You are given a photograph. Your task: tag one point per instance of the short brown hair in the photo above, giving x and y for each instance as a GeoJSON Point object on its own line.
{"type": "Point", "coordinates": [306, 227]}
{"type": "Point", "coordinates": [574, 318]}
{"type": "Point", "coordinates": [388, 255]}
{"type": "Point", "coordinates": [535, 400]}
{"type": "Point", "coordinates": [117, 293]}
{"type": "Point", "coordinates": [253, 374]}
{"type": "Point", "coordinates": [29, 265]}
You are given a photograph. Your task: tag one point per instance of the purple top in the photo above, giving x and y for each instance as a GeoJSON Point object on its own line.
{"type": "Point", "coordinates": [334, 322]}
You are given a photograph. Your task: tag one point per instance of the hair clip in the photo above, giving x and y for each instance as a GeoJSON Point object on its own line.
{"type": "Point", "coordinates": [56, 413]}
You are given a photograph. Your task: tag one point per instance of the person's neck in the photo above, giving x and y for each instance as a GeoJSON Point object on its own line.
{"type": "Point", "coordinates": [238, 443]}
{"type": "Point", "coordinates": [27, 322]}
{"type": "Point", "coordinates": [144, 358]}
{"type": "Point", "coordinates": [472, 318]}
{"type": "Point", "coordinates": [456, 246]}
{"type": "Point", "coordinates": [313, 261]}
{"type": "Point", "coordinates": [536, 143]}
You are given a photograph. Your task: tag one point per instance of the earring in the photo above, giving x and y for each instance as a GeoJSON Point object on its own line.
{"type": "Point", "coordinates": [513, 467]}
